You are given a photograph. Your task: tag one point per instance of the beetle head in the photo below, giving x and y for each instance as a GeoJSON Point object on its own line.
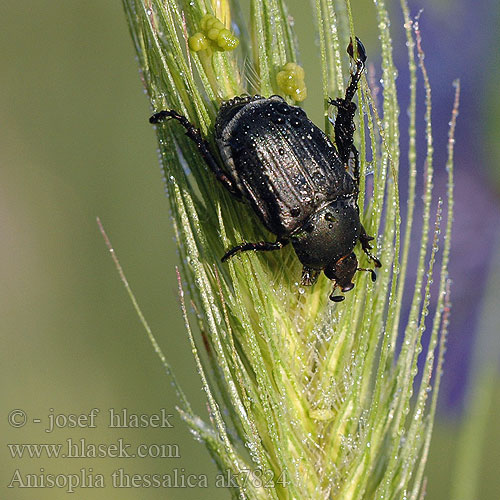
{"type": "Point", "coordinates": [343, 271]}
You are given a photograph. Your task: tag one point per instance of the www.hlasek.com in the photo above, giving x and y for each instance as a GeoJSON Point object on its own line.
{"type": "Point", "coordinates": [81, 448]}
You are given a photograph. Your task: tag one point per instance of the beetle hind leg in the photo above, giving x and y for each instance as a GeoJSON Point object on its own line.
{"type": "Point", "coordinates": [259, 246]}
{"type": "Point", "coordinates": [203, 147]}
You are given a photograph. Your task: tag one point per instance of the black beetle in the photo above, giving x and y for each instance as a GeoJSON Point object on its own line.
{"type": "Point", "coordinates": [302, 187]}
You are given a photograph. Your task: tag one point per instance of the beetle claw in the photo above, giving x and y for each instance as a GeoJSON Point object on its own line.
{"type": "Point", "coordinates": [309, 276]}
{"type": "Point", "coordinates": [360, 49]}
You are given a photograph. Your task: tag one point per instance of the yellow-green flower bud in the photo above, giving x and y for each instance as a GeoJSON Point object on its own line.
{"type": "Point", "coordinates": [198, 42]}
{"type": "Point", "coordinates": [226, 40]}
{"type": "Point", "coordinates": [291, 81]}
{"type": "Point", "coordinates": [204, 20]}
{"type": "Point", "coordinates": [294, 68]}
{"type": "Point", "coordinates": [213, 33]}
{"type": "Point", "coordinates": [299, 93]}
{"type": "Point", "coordinates": [218, 24]}
{"type": "Point", "coordinates": [285, 80]}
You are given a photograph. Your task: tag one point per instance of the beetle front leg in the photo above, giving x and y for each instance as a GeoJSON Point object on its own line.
{"type": "Point", "coordinates": [355, 168]}
{"type": "Point", "coordinates": [360, 66]}
{"type": "Point", "coordinates": [260, 246]}
{"type": "Point", "coordinates": [365, 245]}
{"type": "Point", "coordinates": [344, 126]}
{"type": "Point", "coordinates": [203, 147]}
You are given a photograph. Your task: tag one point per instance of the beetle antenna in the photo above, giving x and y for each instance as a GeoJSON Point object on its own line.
{"type": "Point", "coordinates": [336, 298]}
{"type": "Point", "coordinates": [371, 271]}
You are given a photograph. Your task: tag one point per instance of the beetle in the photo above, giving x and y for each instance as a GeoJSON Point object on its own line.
{"type": "Point", "coordinates": [303, 188]}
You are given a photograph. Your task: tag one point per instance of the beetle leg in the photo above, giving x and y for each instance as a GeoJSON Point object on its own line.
{"type": "Point", "coordinates": [373, 275]}
{"type": "Point", "coordinates": [203, 147]}
{"type": "Point", "coordinates": [365, 245]}
{"type": "Point", "coordinates": [360, 65]}
{"type": "Point", "coordinates": [344, 126]}
{"type": "Point", "coordinates": [309, 276]}
{"type": "Point", "coordinates": [355, 168]}
{"type": "Point", "coordinates": [260, 246]}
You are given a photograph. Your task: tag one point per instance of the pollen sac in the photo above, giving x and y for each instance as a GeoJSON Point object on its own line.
{"type": "Point", "coordinates": [291, 81]}
{"type": "Point", "coordinates": [213, 35]}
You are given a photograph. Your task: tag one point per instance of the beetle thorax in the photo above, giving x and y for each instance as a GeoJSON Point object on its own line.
{"type": "Point", "coordinates": [328, 235]}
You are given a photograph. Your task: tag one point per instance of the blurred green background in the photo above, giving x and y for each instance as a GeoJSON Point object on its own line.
{"type": "Point", "coordinates": [76, 144]}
